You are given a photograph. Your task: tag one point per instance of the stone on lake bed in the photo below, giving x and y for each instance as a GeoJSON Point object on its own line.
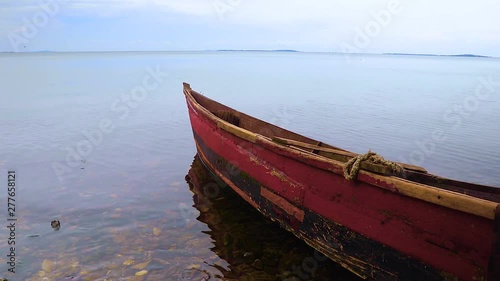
{"type": "Point", "coordinates": [141, 273]}
{"type": "Point", "coordinates": [156, 231]}
{"type": "Point", "coordinates": [47, 265]}
{"type": "Point", "coordinates": [193, 266]}
{"type": "Point", "coordinates": [141, 265]}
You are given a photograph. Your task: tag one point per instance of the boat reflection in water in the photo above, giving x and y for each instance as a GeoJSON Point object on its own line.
{"type": "Point", "coordinates": [255, 248]}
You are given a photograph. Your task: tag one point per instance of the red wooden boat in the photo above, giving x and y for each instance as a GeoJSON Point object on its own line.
{"type": "Point", "coordinates": [379, 219]}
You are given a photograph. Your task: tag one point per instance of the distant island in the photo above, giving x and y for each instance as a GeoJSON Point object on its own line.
{"type": "Point", "coordinates": [287, 51]}
{"type": "Point", "coordinates": [42, 51]}
{"type": "Point", "coordinates": [436, 55]}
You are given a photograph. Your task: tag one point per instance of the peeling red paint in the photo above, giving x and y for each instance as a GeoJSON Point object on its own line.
{"type": "Point", "coordinates": [228, 182]}
{"type": "Point", "coordinates": [283, 204]}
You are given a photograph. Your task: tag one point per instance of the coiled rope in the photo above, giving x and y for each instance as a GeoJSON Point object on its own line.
{"type": "Point", "coordinates": [352, 167]}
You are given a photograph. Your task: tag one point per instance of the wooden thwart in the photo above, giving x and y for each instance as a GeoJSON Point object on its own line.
{"type": "Point", "coordinates": [345, 156]}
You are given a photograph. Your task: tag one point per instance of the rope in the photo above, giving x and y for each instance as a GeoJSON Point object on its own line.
{"type": "Point", "coordinates": [352, 167]}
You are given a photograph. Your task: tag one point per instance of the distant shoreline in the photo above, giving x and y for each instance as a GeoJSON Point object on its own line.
{"type": "Point", "coordinates": [278, 51]}
{"type": "Point", "coordinates": [436, 55]}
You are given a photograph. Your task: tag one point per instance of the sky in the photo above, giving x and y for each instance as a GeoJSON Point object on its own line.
{"type": "Point", "coordinates": [356, 26]}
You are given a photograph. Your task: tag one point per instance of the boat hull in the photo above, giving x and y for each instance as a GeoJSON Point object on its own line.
{"type": "Point", "coordinates": [376, 233]}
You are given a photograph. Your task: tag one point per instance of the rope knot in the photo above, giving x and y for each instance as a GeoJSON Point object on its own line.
{"type": "Point", "coordinates": [352, 167]}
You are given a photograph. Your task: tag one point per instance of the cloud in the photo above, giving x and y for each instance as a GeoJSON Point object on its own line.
{"type": "Point", "coordinates": [235, 11]}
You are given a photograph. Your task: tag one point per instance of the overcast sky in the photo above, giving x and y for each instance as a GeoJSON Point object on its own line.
{"type": "Point", "coordinates": [366, 26]}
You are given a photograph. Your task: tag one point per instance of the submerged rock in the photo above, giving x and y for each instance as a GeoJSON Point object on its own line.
{"type": "Point", "coordinates": [258, 264]}
{"type": "Point", "coordinates": [55, 224]}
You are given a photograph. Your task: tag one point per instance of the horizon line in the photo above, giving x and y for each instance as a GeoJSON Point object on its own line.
{"type": "Point", "coordinates": [255, 50]}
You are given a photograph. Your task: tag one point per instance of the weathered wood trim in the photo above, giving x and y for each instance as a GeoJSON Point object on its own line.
{"type": "Point", "coordinates": [282, 203]}
{"type": "Point", "coordinates": [445, 198]}
{"type": "Point", "coordinates": [226, 126]}
{"type": "Point", "coordinates": [237, 131]}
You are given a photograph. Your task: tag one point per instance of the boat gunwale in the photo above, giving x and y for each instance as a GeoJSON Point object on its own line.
{"type": "Point", "coordinates": [431, 194]}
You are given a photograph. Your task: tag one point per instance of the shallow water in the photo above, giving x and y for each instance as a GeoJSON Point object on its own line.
{"type": "Point", "coordinates": [125, 206]}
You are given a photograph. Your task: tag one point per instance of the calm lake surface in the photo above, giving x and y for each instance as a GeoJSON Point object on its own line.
{"type": "Point", "coordinates": [135, 203]}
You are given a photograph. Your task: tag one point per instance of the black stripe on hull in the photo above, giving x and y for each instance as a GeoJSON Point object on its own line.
{"type": "Point", "coordinates": [366, 258]}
